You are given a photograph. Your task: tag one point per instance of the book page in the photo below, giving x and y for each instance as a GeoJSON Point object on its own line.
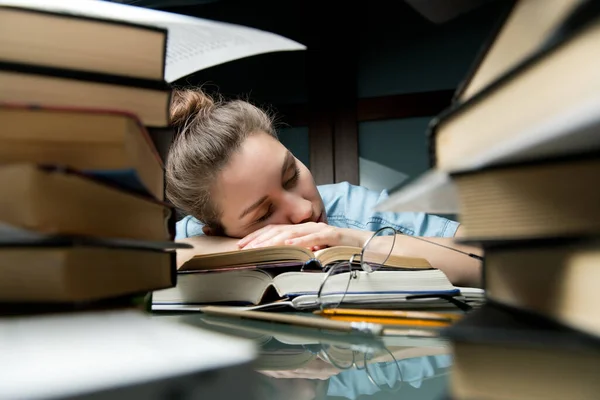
{"type": "Point", "coordinates": [432, 192]}
{"type": "Point", "coordinates": [75, 354]}
{"type": "Point", "coordinates": [193, 43]}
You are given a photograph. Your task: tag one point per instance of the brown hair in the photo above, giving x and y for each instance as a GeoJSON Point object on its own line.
{"type": "Point", "coordinates": [208, 131]}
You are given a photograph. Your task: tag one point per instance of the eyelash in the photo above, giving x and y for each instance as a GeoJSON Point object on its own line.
{"type": "Point", "coordinates": [292, 181]}
{"type": "Point", "coordinates": [266, 216]}
{"type": "Point", "coordinates": [287, 185]}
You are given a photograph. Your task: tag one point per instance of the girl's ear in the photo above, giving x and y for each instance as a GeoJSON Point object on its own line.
{"type": "Point", "coordinates": [208, 231]}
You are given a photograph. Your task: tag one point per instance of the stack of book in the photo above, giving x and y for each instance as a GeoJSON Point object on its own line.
{"type": "Point", "coordinates": [518, 156]}
{"type": "Point", "coordinates": [82, 211]}
{"type": "Point", "coordinates": [84, 116]}
{"type": "Point", "coordinates": [84, 228]}
{"type": "Point", "coordinates": [290, 276]}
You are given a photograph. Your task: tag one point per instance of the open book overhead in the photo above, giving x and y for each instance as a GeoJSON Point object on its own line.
{"type": "Point", "coordinates": [193, 43]}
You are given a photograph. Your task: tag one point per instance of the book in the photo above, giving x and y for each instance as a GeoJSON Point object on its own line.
{"type": "Point", "coordinates": [73, 355]}
{"type": "Point", "coordinates": [432, 192]}
{"type": "Point", "coordinates": [295, 255]}
{"type": "Point", "coordinates": [505, 353]}
{"type": "Point", "coordinates": [549, 198]}
{"type": "Point", "coordinates": [55, 200]}
{"type": "Point", "coordinates": [47, 269]}
{"type": "Point", "coordinates": [555, 278]}
{"type": "Point", "coordinates": [85, 43]}
{"type": "Point", "coordinates": [485, 130]}
{"type": "Point", "coordinates": [521, 31]}
{"type": "Point", "coordinates": [110, 144]}
{"type": "Point", "coordinates": [268, 286]}
{"type": "Point", "coordinates": [148, 99]}
{"type": "Point", "coordinates": [193, 43]}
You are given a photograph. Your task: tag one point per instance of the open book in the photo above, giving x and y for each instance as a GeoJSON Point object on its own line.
{"type": "Point", "coordinates": [269, 286]}
{"type": "Point", "coordinates": [286, 255]}
{"type": "Point", "coordinates": [291, 276]}
{"type": "Point", "coordinates": [193, 43]}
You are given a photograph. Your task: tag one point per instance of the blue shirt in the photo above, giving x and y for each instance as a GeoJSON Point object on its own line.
{"type": "Point", "coordinates": [352, 383]}
{"type": "Point", "coordinates": [350, 206]}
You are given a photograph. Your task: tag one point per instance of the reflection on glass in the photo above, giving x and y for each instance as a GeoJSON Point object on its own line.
{"type": "Point", "coordinates": [352, 371]}
{"type": "Point", "coordinates": [302, 363]}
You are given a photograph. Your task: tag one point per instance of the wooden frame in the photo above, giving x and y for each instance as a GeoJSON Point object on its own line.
{"type": "Point", "coordinates": [333, 125]}
{"type": "Point", "coordinates": [409, 105]}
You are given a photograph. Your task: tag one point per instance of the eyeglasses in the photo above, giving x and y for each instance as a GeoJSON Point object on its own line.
{"type": "Point", "coordinates": [365, 358]}
{"type": "Point", "coordinates": [377, 361]}
{"type": "Point", "coordinates": [375, 253]}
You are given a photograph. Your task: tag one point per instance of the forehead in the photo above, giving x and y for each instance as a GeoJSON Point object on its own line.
{"type": "Point", "coordinates": [251, 172]}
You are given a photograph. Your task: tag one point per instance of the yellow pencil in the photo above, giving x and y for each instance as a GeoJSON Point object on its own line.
{"type": "Point", "coordinates": [408, 315]}
{"type": "Point", "coordinates": [389, 321]}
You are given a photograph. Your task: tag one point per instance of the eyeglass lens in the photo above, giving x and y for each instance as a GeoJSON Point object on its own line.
{"type": "Point", "coordinates": [378, 249]}
{"type": "Point", "coordinates": [335, 286]}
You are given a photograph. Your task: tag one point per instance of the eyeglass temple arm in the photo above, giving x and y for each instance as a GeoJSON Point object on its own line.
{"type": "Point", "coordinates": [475, 256]}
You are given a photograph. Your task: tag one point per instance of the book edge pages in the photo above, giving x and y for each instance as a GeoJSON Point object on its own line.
{"type": "Point", "coordinates": [432, 192]}
{"type": "Point", "coordinates": [235, 41]}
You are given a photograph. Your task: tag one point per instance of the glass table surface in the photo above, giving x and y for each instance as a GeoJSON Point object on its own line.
{"type": "Point", "coordinates": [305, 363]}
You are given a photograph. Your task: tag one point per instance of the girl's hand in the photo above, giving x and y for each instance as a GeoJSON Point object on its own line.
{"type": "Point", "coordinates": [312, 235]}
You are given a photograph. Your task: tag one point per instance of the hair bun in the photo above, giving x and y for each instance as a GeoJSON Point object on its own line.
{"type": "Point", "coordinates": [186, 103]}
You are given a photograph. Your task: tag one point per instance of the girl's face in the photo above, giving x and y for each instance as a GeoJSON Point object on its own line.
{"type": "Point", "coordinates": [264, 184]}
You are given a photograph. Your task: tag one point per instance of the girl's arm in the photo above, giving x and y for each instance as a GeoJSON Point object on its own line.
{"type": "Point", "coordinates": [461, 269]}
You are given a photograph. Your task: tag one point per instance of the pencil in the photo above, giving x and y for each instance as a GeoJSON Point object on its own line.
{"type": "Point", "coordinates": [313, 322]}
{"type": "Point", "coordinates": [419, 315]}
{"type": "Point", "coordinates": [389, 321]}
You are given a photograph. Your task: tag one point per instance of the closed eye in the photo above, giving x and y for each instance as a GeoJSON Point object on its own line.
{"type": "Point", "coordinates": [266, 216]}
{"type": "Point", "coordinates": [291, 183]}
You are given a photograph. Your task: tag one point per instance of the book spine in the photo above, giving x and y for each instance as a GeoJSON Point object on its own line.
{"type": "Point", "coordinates": [96, 77]}
{"type": "Point", "coordinates": [484, 50]}
{"type": "Point", "coordinates": [566, 160]}
{"type": "Point", "coordinates": [460, 107]}
{"type": "Point", "coordinates": [68, 15]}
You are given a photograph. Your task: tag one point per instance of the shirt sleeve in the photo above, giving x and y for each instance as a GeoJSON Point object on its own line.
{"type": "Point", "coordinates": [188, 226]}
{"type": "Point", "coordinates": [353, 383]}
{"type": "Point", "coordinates": [352, 206]}
{"type": "Point", "coordinates": [416, 224]}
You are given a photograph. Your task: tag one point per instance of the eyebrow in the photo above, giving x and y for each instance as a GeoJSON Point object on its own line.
{"type": "Point", "coordinates": [255, 205]}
